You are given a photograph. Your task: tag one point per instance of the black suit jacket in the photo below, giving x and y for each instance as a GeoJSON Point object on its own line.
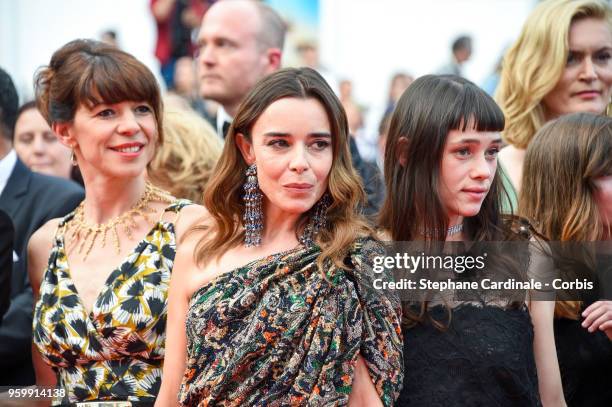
{"type": "Point", "coordinates": [372, 181]}
{"type": "Point", "coordinates": [30, 199]}
{"type": "Point", "coordinates": [6, 261]}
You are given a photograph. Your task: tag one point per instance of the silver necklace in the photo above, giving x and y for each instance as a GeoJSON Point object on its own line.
{"type": "Point", "coordinates": [452, 230]}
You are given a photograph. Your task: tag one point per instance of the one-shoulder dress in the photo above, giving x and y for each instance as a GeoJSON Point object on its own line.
{"type": "Point", "coordinates": [280, 332]}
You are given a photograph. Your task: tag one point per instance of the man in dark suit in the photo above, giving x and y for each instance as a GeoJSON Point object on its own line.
{"type": "Point", "coordinates": [30, 200]}
{"type": "Point", "coordinates": [6, 261]}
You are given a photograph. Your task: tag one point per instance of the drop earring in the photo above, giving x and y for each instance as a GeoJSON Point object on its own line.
{"type": "Point", "coordinates": [253, 216]}
{"type": "Point", "coordinates": [317, 221]}
{"type": "Point", "coordinates": [73, 160]}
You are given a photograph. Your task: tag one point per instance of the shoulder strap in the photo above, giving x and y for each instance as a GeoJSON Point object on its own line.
{"type": "Point", "coordinates": [61, 226]}
{"type": "Point", "coordinates": [176, 206]}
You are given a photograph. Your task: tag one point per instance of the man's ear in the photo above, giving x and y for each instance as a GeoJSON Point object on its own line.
{"type": "Point", "coordinates": [246, 148]}
{"type": "Point", "coordinates": [63, 133]}
{"type": "Point", "coordinates": [273, 56]}
{"type": "Point", "coordinates": [402, 151]}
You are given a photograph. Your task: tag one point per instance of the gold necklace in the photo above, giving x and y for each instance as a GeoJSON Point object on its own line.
{"type": "Point", "coordinates": [80, 228]}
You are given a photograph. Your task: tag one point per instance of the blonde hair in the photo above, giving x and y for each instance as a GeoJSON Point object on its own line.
{"type": "Point", "coordinates": [184, 164]}
{"type": "Point", "coordinates": [534, 64]}
{"type": "Point", "coordinates": [558, 195]}
{"type": "Point", "coordinates": [223, 197]}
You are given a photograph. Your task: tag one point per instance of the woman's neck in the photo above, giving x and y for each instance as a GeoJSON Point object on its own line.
{"type": "Point", "coordinates": [457, 237]}
{"type": "Point", "coordinates": [455, 229]}
{"type": "Point", "coordinates": [279, 226]}
{"type": "Point", "coordinates": [107, 198]}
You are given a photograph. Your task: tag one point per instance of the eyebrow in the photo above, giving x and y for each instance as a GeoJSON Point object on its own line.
{"type": "Point", "coordinates": [100, 102]}
{"type": "Point", "coordinates": [201, 40]}
{"type": "Point", "coordinates": [579, 52]}
{"type": "Point", "coordinates": [321, 134]}
{"type": "Point", "coordinates": [476, 141]}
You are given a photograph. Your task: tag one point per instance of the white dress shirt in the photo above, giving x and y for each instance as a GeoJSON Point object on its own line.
{"type": "Point", "coordinates": [222, 117]}
{"type": "Point", "coordinates": [6, 168]}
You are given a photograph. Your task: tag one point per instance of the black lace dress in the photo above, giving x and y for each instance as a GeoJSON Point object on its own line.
{"type": "Point", "coordinates": [484, 358]}
{"type": "Point", "coordinates": [585, 360]}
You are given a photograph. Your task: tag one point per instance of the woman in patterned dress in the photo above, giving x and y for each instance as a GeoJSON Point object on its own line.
{"type": "Point", "coordinates": [101, 274]}
{"type": "Point", "coordinates": [279, 309]}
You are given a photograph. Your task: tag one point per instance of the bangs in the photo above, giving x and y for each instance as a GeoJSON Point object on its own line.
{"type": "Point", "coordinates": [475, 110]}
{"type": "Point", "coordinates": [106, 81]}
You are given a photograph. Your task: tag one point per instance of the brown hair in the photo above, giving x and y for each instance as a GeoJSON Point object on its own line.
{"type": "Point", "coordinates": [223, 197]}
{"type": "Point", "coordinates": [533, 65]}
{"type": "Point", "coordinates": [428, 110]}
{"type": "Point", "coordinates": [561, 165]}
{"type": "Point", "coordinates": [90, 72]}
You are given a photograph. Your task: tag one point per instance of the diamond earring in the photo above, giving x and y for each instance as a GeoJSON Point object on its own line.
{"type": "Point", "coordinates": [317, 221]}
{"type": "Point", "coordinates": [253, 216]}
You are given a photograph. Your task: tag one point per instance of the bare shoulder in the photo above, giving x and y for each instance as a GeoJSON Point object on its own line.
{"type": "Point", "coordinates": [191, 227]}
{"type": "Point", "coordinates": [511, 154]}
{"type": "Point", "coordinates": [383, 235]}
{"type": "Point", "coordinates": [504, 154]}
{"type": "Point", "coordinates": [186, 271]}
{"type": "Point", "coordinates": [191, 214]}
{"type": "Point", "coordinates": [43, 238]}
{"type": "Point", "coordinates": [39, 248]}
{"type": "Point", "coordinates": [192, 218]}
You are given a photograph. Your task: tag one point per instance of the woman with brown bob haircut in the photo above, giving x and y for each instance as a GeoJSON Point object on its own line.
{"type": "Point", "coordinates": [443, 186]}
{"type": "Point", "coordinates": [567, 193]}
{"type": "Point", "coordinates": [100, 275]}
{"type": "Point", "coordinates": [277, 301]}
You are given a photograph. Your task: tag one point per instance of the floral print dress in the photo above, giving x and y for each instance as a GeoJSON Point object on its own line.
{"type": "Point", "coordinates": [115, 352]}
{"type": "Point", "coordinates": [278, 332]}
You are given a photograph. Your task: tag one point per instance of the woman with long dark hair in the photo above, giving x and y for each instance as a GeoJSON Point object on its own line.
{"type": "Point", "coordinates": [443, 186]}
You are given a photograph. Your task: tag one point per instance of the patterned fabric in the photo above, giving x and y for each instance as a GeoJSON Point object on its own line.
{"type": "Point", "coordinates": [116, 352]}
{"type": "Point", "coordinates": [276, 332]}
